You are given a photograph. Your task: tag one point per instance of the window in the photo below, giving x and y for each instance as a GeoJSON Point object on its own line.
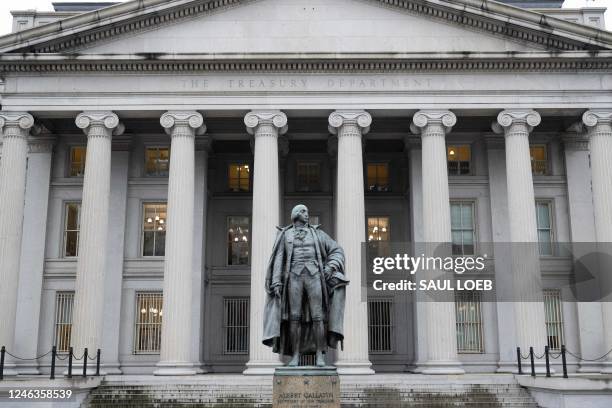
{"type": "Point", "coordinates": [380, 325]}
{"type": "Point", "coordinates": [378, 229]}
{"type": "Point", "coordinates": [64, 302]}
{"type": "Point", "coordinates": [239, 177]}
{"type": "Point", "coordinates": [459, 159]}
{"type": "Point", "coordinates": [149, 312]}
{"type": "Point", "coordinates": [154, 229]}
{"type": "Point", "coordinates": [463, 228]}
{"type": "Point", "coordinates": [539, 161]}
{"type": "Point", "coordinates": [545, 232]}
{"type": "Point", "coordinates": [238, 240]}
{"type": "Point", "coordinates": [378, 177]}
{"type": "Point", "coordinates": [469, 322]}
{"type": "Point", "coordinates": [77, 161]}
{"type": "Point", "coordinates": [72, 226]}
{"type": "Point", "coordinates": [554, 318]}
{"type": "Point", "coordinates": [314, 220]}
{"type": "Point", "coordinates": [236, 325]}
{"type": "Point", "coordinates": [308, 176]}
{"type": "Point", "coordinates": [157, 161]}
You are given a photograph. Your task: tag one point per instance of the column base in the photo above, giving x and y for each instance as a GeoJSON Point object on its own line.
{"type": "Point", "coordinates": [442, 368]}
{"type": "Point", "coordinates": [607, 367]}
{"type": "Point", "coordinates": [27, 370]}
{"type": "Point", "coordinates": [363, 367]}
{"type": "Point", "coordinates": [588, 367]}
{"type": "Point", "coordinates": [10, 370]}
{"type": "Point", "coordinates": [175, 369]}
{"type": "Point", "coordinates": [261, 367]}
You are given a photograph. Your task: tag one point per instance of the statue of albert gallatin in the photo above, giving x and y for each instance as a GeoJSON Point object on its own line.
{"type": "Point", "coordinates": [305, 287]}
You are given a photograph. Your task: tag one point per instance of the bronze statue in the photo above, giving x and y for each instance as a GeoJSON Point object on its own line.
{"type": "Point", "coordinates": [305, 287]}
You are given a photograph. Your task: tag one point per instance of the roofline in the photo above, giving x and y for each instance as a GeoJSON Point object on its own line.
{"type": "Point", "coordinates": [114, 13]}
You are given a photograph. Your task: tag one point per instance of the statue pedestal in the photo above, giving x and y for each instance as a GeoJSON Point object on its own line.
{"type": "Point", "coordinates": [306, 387]}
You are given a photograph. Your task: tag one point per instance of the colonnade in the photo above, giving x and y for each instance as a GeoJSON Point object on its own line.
{"type": "Point", "coordinates": [350, 126]}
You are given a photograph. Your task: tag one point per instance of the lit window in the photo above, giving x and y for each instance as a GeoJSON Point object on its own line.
{"type": "Point", "coordinates": [469, 322]}
{"type": "Point", "coordinates": [378, 229]}
{"type": "Point", "coordinates": [72, 225]}
{"type": "Point", "coordinates": [539, 160]}
{"type": "Point", "coordinates": [77, 161]}
{"type": "Point", "coordinates": [463, 228]}
{"type": "Point", "coordinates": [149, 313]}
{"type": "Point", "coordinates": [545, 231]}
{"type": "Point", "coordinates": [378, 177]}
{"type": "Point", "coordinates": [239, 177]}
{"type": "Point", "coordinates": [236, 325]}
{"type": "Point", "coordinates": [64, 302]}
{"type": "Point", "coordinates": [238, 240]}
{"type": "Point", "coordinates": [553, 309]}
{"type": "Point", "coordinates": [154, 229]}
{"type": "Point", "coordinates": [459, 158]}
{"type": "Point", "coordinates": [380, 325]}
{"type": "Point", "coordinates": [308, 176]}
{"type": "Point", "coordinates": [157, 161]}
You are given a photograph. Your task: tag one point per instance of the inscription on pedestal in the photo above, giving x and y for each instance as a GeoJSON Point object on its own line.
{"type": "Point", "coordinates": [306, 387]}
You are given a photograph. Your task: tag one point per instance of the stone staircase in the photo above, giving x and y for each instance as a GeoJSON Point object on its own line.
{"type": "Point", "coordinates": [381, 390]}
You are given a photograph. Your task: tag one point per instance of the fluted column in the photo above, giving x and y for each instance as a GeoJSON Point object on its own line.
{"type": "Point", "coordinates": [91, 265]}
{"type": "Point", "coordinates": [527, 284]}
{"type": "Point", "coordinates": [599, 124]}
{"type": "Point", "coordinates": [433, 125]}
{"type": "Point", "coordinates": [265, 126]}
{"type": "Point", "coordinates": [15, 130]}
{"type": "Point", "coordinates": [350, 126]}
{"type": "Point", "coordinates": [176, 345]}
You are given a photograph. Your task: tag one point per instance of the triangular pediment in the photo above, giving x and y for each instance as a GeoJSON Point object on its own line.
{"type": "Point", "coordinates": [306, 26]}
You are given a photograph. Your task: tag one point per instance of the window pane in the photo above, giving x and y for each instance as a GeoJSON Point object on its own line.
{"type": "Point", "coordinates": [462, 228]}
{"type": "Point", "coordinates": [543, 216]}
{"type": "Point", "coordinates": [77, 161]}
{"type": "Point", "coordinates": [459, 159]}
{"type": "Point", "coordinates": [149, 314]}
{"type": "Point", "coordinates": [238, 240]}
{"type": "Point", "coordinates": [239, 177]}
{"type": "Point", "coordinates": [157, 161]}
{"type": "Point", "coordinates": [539, 160]}
{"type": "Point", "coordinates": [71, 229]}
{"type": "Point", "coordinates": [154, 229]}
{"type": "Point", "coordinates": [378, 176]}
{"type": "Point", "coordinates": [308, 176]}
{"type": "Point", "coordinates": [64, 302]}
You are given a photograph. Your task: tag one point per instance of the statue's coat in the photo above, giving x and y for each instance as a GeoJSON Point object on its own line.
{"type": "Point", "coordinates": [330, 256]}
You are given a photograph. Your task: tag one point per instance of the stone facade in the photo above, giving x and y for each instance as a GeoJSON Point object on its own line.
{"type": "Point", "coordinates": [341, 84]}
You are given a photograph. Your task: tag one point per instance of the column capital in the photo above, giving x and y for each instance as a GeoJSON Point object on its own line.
{"type": "Point", "coordinates": [510, 117]}
{"type": "Point", "coordinates": [359, 118]}
{"type": "Point", "coordinates": [424, 118]}
{"type": "Point", "coordinates": [256, 118]}
{"type": "Point", "coordinates": [20, 123]}
{"type": "Point", "coordinates": [192, 121]}
{"type": "Point", "coordinates": [105, 121]}
{"type": "Point", "coordinates": [594, 117]}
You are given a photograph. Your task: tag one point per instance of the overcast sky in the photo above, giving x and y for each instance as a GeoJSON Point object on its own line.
{"type": "Point", "coordinates": [7, 5]}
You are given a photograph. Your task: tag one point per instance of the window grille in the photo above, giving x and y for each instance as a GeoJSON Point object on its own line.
{"type": "Point", "coordinates": [236, 325]}
{"type": "Point", "coordinates": [378, 176]}
{"type": "Point", "coordinates": [463, 229]}
{"type": "Point", "coordinates": [64, 302]}
{"type": "Point", "coordinates": [539, 160]}
{"type": "Point", "coordinates": [545, 230]}
{"type": "Point", "coordinates": [238, 240]}
{"type": "Point", "coordinates": [308, 176]}
{"type": "Point", "coordinates": [458, 160]}
{"type": "Point", "coordinates": [469, 322]}
{"type": "Point", "coordinates": [72, 226]}
{"type": "Point", "coordinates": [157, 161]}
{"type": "Point", "coordinates": [149, 314]}
{"type": "Point", "coordinates": [154, 229]}
{"type": "Point", "coordinates": [77, 161]}
{"type": "Point", "coordinates": [239, 177]}
{"type": "Point", "coordinates": [553, 308]}
{"type": "Point", "coordinates": [380, 325]}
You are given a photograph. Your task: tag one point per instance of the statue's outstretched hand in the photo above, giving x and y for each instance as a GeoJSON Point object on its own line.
{"type": "Point", "coordinates": [278, 291]}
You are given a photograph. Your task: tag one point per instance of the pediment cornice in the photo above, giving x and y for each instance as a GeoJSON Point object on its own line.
{"type": "Point", "coordinates": [75, 33]}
